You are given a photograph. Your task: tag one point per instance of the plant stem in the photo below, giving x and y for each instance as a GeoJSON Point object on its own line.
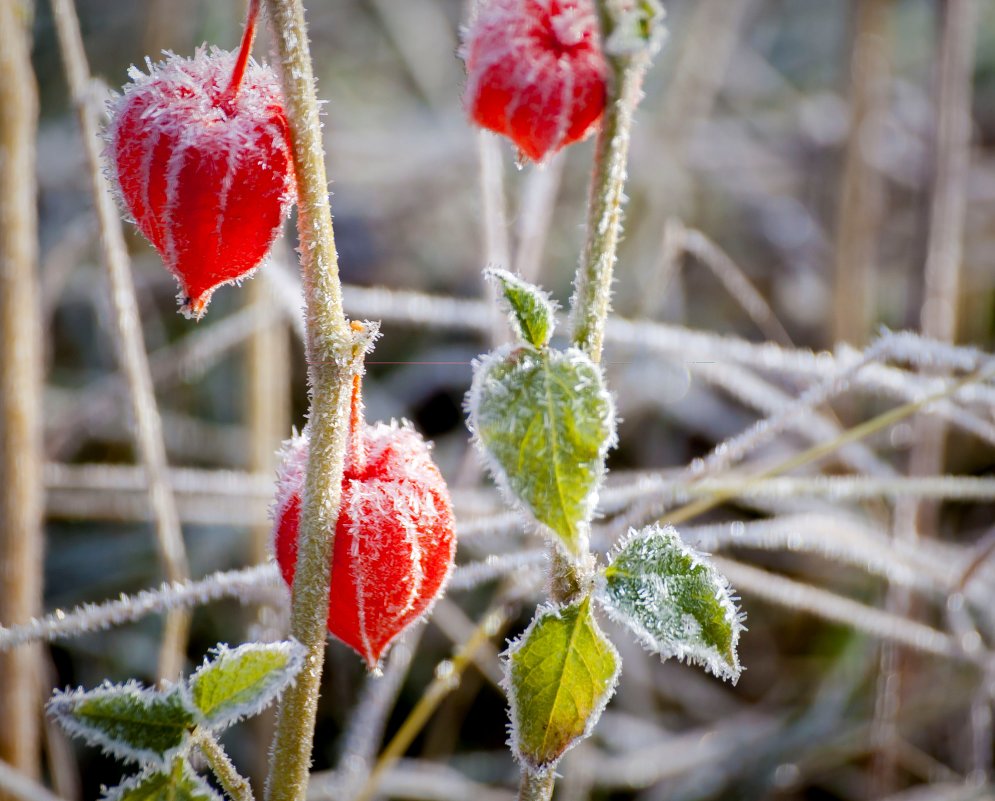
{"type": "Point", "coordinates": [592, 287]}
{"type": "Point", "coordinates": [130, 342]}
{"type": "Point", "coordinates": [21, 452]}
{"type": "Point", "coordinates": [333, 359]}
{"type": "Point", "coordinates": [536, 788]}
{"type": "Point", "coordinates": [234, 783]}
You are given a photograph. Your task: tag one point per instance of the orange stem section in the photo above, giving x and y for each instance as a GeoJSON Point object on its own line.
{"type": "Point", "coordinates": [248, 36]}
{"type": "Point", "coordinates": [357, 450]}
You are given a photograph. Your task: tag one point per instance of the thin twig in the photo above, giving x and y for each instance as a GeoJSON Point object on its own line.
{"type": "Point", "coordinates": [130, 342]}
{"type": "Point", "coordinates": [21, 502]}
{"type": "Point", "coordinates": [250, 585]}
{"type": "Point", "coordinates": [736, 283]}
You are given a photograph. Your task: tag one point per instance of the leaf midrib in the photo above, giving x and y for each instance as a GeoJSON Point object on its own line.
{"type": "Point", "coordinates": [584, 607]}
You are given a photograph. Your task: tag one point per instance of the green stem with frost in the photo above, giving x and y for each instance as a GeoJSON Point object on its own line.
{"type": "Point", "coordinates": [234, 784]}
{"type": "Point", "coordinates": [334, 356]}
{"type": "Point", "coordinates": [592, 286]}
{"type": "Point", "coordinates": [536, 788]}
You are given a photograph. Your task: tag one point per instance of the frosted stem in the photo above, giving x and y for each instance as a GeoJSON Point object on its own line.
{"type": "Point", "coordinates": [536, 788]}
{"type": "Point", "coordinates": [332, 361]}
{"type": "Point", "coordinates": [592, 286]}
{"type": "Point", "coordinates": [234, 783]}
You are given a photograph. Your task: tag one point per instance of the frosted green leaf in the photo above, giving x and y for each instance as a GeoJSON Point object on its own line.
{"type": "Point", "coordinates": [242, 682]}
{"type": "Point", "coordinates": [128, 721]}
{"type": "Point", "coordinates": [179, 784]}
{"type": "Point", "coordinates": [674, 600]}
{"type": "Point", "coordinates": [544, 422]}
{"type": "Point", "coordinates": [531, 310]}
{"type": "Point", "coordinates": [559, 676]}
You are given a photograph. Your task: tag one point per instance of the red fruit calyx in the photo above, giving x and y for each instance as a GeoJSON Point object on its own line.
{"type": "Point", "coordinates": [395, 538]}
{"type": "Point", "coordinates": [535, 72]}
{"type": "Point", "coordinates": [200, 150]}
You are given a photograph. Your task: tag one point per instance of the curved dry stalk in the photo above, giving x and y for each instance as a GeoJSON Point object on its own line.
{"type": "Point", "coordinates": [21, 451]}
{"type": "Point", "coordinates": [130, 343]}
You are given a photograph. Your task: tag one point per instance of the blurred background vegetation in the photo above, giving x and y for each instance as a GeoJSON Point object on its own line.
{"type": "Point", "coordinates": [799, 137]}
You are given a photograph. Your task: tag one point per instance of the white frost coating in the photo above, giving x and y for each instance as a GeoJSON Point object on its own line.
{"type": "Point", "coordinates": [203, 791]}
{"type": "Point", "coordinates": [482, 368]}
{"type": "Point", "coordinates": [276, 682]}
{"type": "Point", "coordinates": [63, 703]}
{"type": "Point", "coordinates": [251, 585]}
{"type": "Point", "coordinates": [684, 642]}
{"type": "Point", "coordinates": [542, 612]}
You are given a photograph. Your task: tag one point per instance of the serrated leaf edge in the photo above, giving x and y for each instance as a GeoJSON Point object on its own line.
{"type": "Point", "coordinates": [481, 366]}
{"type": "Point", "coordinates": [704, 658]}
{"type": "Point", "coordinates": [296, 653]}
{"type": "Point", "coordinates": [118, 792]}
{"type": "Point", "coordinates": [543, 611]}
{"type": "Point", "coordinates": [502, 277]}
{"type": "Point", "coordinates": [63, 701]}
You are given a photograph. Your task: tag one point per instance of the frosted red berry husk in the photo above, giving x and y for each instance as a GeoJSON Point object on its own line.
{"type": "Point", "coordinates": [200, 150]}
{"type": "Point", "coordinates": [535, 72]}
{"type": "Point", "coordinates": [395, 539]}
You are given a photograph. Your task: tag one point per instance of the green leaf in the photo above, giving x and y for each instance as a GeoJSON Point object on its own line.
{"type": "Point", "coordinates": [178, 784]}
{"type": "Point", "coordinates": [674, 600]}
{"type": "Point", "coordinates": [531, 311]}
{"type": "Point", "coordinates": [127, 720]}
{"type": "Point", "coordinates": [559, 676]}
{"type": "Point", "coordinates": [242, 682]}
{"type": "Point", "coordinates": [544, 422]}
